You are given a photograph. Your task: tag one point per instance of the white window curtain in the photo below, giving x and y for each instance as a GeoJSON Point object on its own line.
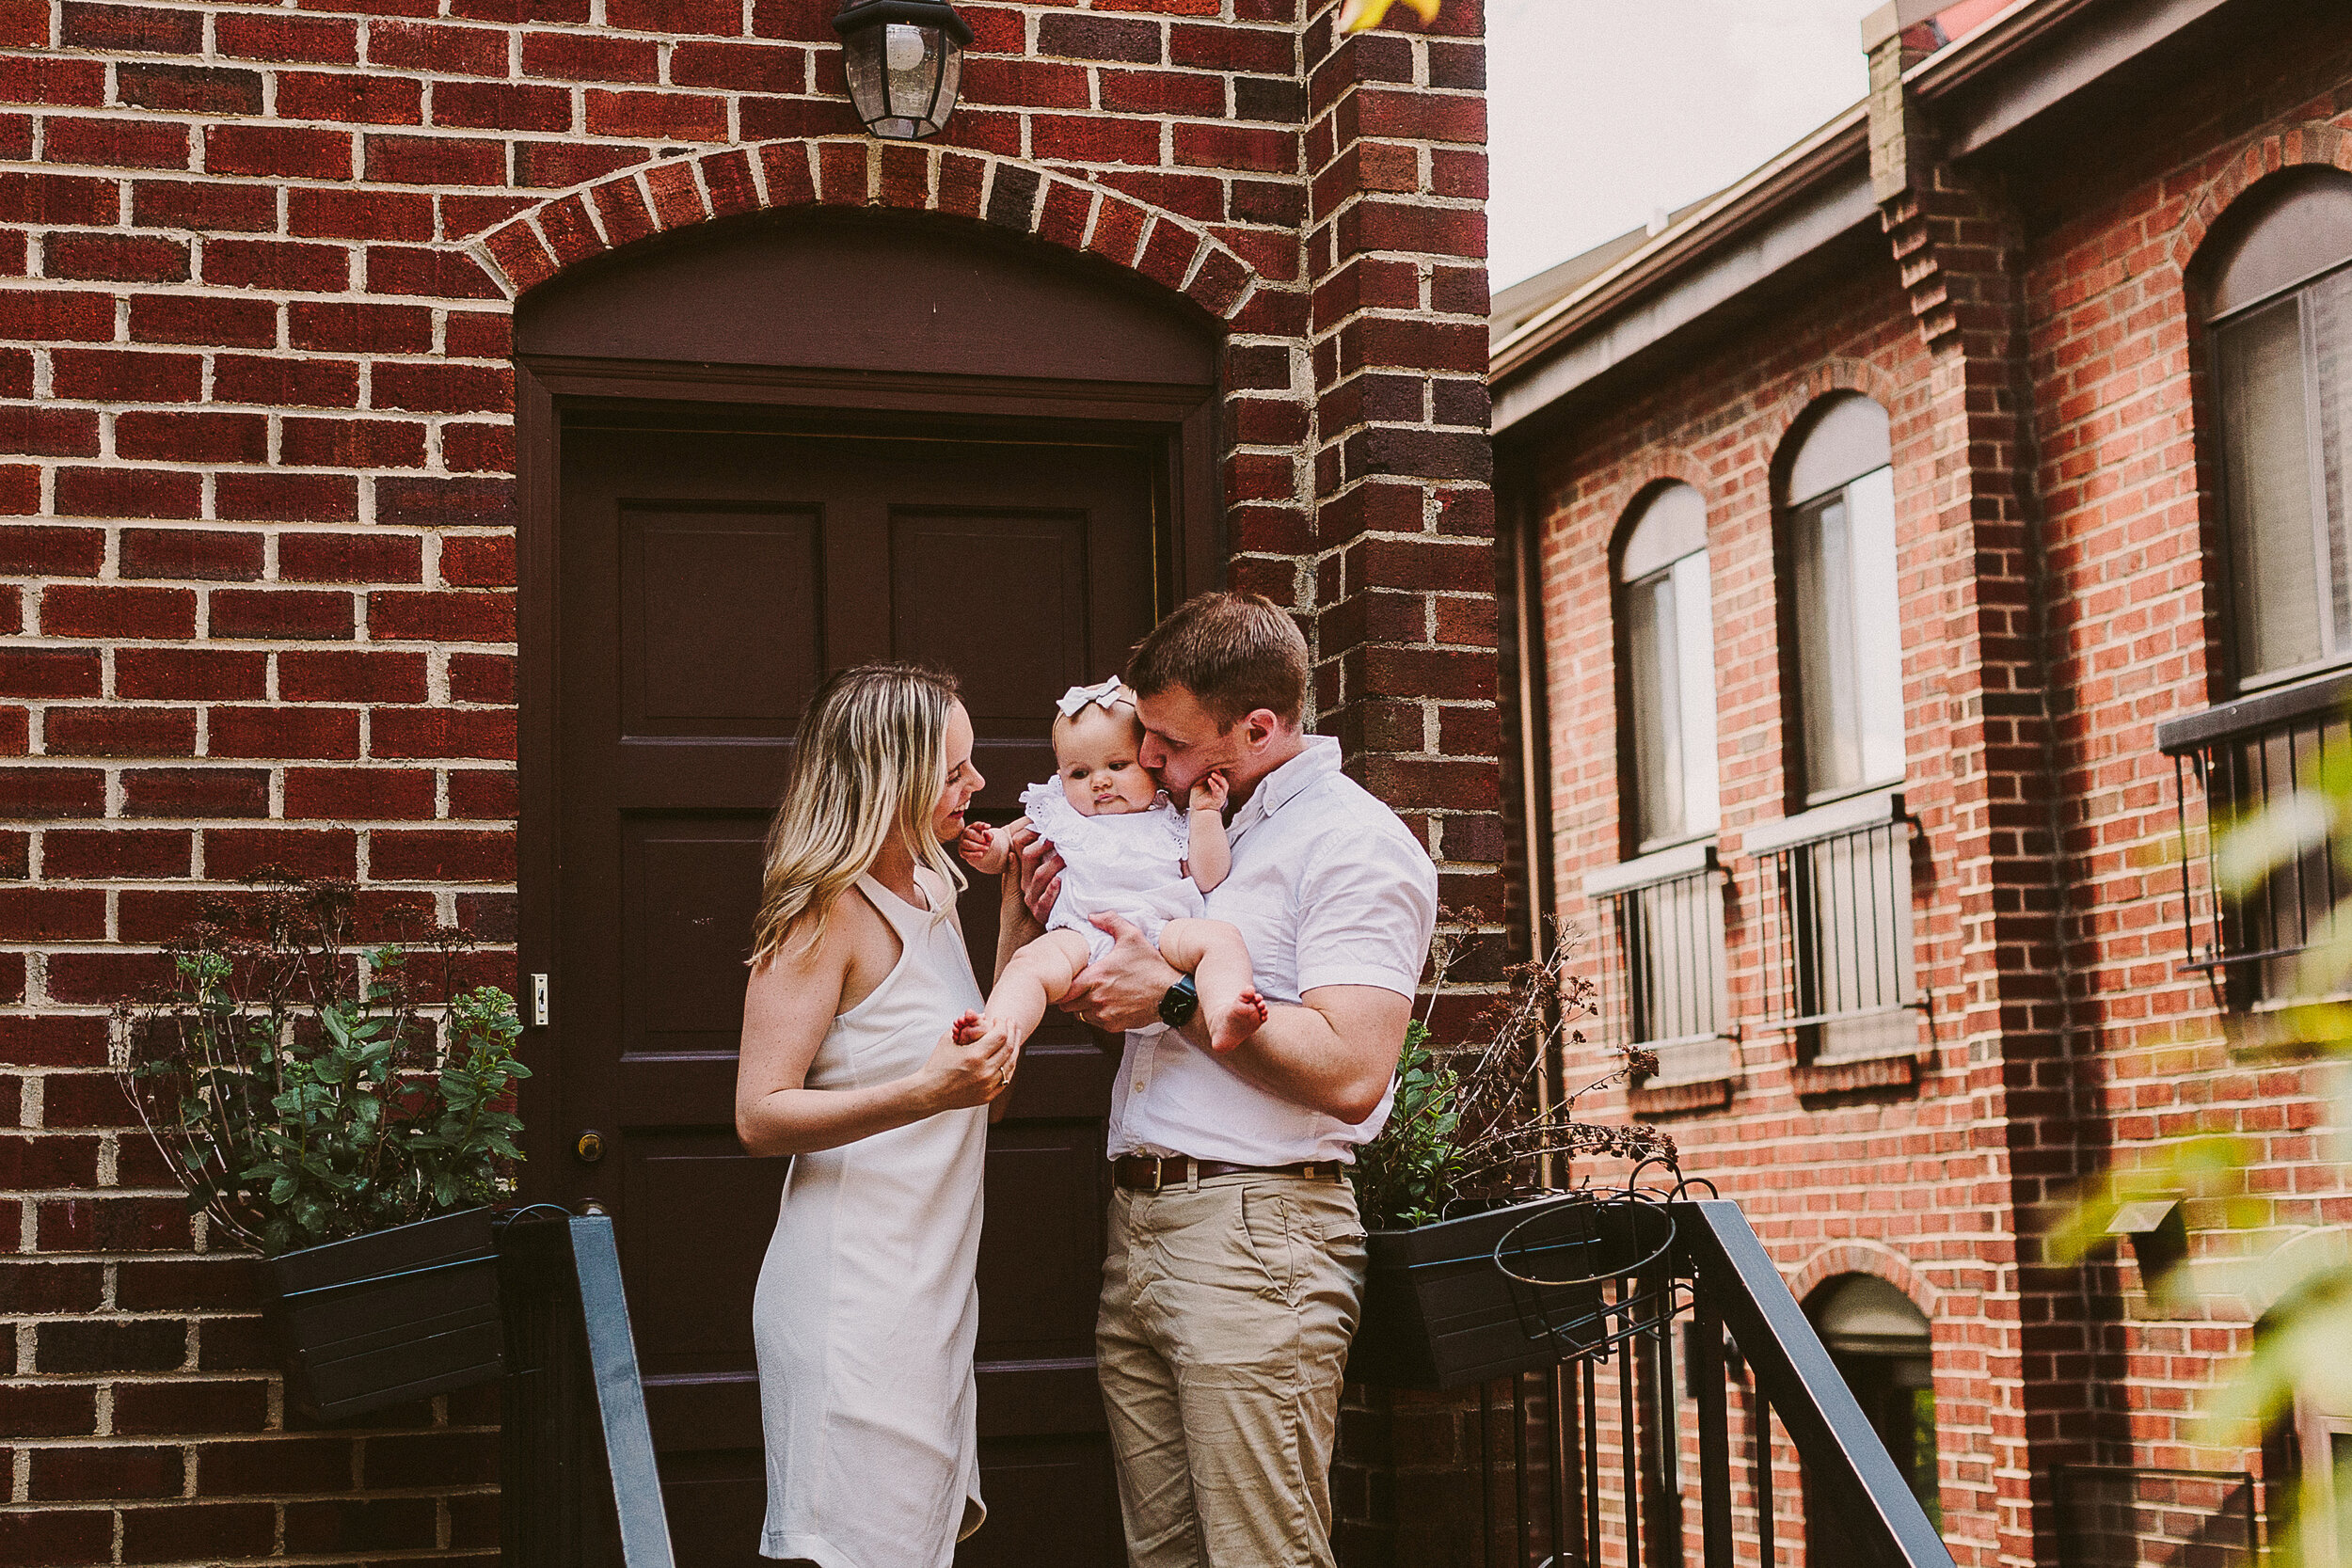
{"type": "Point", "coordinates": [1670, 636]}
{"type": "Point", "coordinates": [1848, 613]}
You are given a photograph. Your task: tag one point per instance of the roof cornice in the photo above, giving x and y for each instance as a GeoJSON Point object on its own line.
{"type": "Point", "coordinates": [1783, 206]}
{"type": "Point", "coordinates": [1755, 199]}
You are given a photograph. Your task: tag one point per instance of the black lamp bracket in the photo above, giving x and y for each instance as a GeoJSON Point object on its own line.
{"type": "Point", "coordinates": [918, 13]}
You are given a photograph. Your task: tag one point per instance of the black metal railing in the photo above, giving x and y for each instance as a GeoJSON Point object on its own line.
{"type": "Point", "coordinates": [1663, 984]}
{"type": "Point", "coordinates": [1837, 942]}
{"type": "Point", "coordinates": [1630, 1455]}
{"type": "Point", "coordinates": [2258, 754]}
{"type": "Point", "coordinates": [576, 1479]}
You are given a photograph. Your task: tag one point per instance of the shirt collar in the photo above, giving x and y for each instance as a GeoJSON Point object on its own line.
{"type": "Point", "coordinates": [1280, 787]}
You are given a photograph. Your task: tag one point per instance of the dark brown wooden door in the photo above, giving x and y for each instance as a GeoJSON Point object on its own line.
{"type": "Point", "coordinates": [707, 580]}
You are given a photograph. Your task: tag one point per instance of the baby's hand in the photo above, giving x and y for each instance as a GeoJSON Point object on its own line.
{"type": "Point", "coordinates": [1209, 791]}
{"type": "Point", "coordinates": [982, 847]}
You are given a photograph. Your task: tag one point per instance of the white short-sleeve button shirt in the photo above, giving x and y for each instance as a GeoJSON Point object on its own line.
{"type": "Point", "coordinates": [1329, 888]}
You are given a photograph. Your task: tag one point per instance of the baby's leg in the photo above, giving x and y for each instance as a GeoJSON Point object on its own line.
{"type": "Point", "coordinates": [1219, 962]}
{"type": "Point", "coordinates": [1037, 976]}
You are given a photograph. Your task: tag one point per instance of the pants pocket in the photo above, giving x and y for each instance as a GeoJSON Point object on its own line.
{"type": "Point", "coordinates": [1266, 1230]}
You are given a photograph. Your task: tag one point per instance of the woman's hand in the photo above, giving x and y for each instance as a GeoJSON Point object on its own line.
{"type": "Point", "coordinates": [970, 1065]}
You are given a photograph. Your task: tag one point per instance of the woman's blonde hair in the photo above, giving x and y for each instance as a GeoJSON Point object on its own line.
{"type": "Point", "coordinates": [868, 762]}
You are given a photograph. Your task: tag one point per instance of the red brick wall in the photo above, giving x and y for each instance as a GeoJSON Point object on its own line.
{"type": "Point", "coordinates": [2053, 577]}
{"type": "Point", "coordinates": [257, 574]}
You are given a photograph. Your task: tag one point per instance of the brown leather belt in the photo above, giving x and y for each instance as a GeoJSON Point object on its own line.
{"type": "Point", "coordinates": [1149, 1173]}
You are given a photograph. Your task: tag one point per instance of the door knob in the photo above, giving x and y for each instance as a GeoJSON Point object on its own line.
{"type": "Point", "coordinates": [594, 1209]}
{"type": "Point", "coordinates": [590, 1148]}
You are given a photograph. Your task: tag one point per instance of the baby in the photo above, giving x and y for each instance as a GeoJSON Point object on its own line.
{"type": "Point", "coordinates": [1128, 851]}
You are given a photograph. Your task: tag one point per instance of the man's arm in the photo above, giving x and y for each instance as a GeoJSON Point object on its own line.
{"type": "Point", "coordinates": [1334, 1052]}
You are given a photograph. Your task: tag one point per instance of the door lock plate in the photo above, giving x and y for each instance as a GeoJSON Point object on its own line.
{"type": "Point", "coordinates": [590, 1148]}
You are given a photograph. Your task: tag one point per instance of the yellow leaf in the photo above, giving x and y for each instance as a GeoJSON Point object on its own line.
{"type": "Point", "coordinates": [1355, 16]}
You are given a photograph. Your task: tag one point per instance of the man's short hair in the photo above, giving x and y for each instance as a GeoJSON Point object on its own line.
{"type": "Point", "coordinates": [1236, 653]}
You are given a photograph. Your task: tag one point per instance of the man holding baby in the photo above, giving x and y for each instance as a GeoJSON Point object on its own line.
{"type": "Point", "coordinates": [1236, 1258]}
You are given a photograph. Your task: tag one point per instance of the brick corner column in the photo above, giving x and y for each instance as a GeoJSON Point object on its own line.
{"type": "Point", "coordinates": [1992, 814]}
{"type": "Point", "coordinates": [1402, 601]}
{"type": "Point", "coordinates": [1404, 593]}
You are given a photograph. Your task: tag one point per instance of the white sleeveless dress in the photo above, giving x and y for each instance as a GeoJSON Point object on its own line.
{"type": "Point", "coordinates": [866, 1309]}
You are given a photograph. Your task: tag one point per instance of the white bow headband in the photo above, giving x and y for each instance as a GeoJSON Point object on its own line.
{"type": "Point", "coordinates": [1104, 694]}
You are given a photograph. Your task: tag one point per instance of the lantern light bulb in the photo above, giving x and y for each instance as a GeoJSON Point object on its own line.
{"type": "Point", "coordinates": [902, 46]}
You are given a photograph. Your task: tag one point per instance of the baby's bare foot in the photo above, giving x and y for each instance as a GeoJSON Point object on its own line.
{"type": "Point", "coordinates": [1241, 1020]}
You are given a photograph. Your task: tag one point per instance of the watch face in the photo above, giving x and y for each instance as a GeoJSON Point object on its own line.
{"type": "Point", "coordinates": [1178, 1004]}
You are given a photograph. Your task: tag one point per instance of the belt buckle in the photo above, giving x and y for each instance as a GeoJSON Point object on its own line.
{"type": "Point", "coordinates": [1159, 1171]}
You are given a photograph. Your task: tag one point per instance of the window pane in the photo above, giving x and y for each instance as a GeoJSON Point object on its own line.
{"type": "Point", "coordinates": [1657, 706]}
{"type": "Point", "coordinates": [2328, 307]}
{"type": "Point", "coordinates": [1675, 956]}
{"type": "Point", "coordinates": [2267, 479]}
{"type": "Point", "coordinates": [1878, 641]}
{"type": "Point", "coordinates": [1858, 960]}
{"type": "Point", "coordinates": [2340, 1453]}
{"type": "Point", "coordinates": [1825, 672]}
{"type": "Point", "coordinates": [1694, 659]}
{"type": "Point", "coordinates": [1924, 1483]}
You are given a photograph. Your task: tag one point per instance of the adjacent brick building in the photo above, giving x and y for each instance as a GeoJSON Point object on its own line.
{"type": "Point", "coordinates": [260, 458]}
{"type": "Point", "coordinates": [1936, 419]}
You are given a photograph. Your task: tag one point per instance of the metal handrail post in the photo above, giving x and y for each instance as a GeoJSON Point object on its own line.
{"type": "Point", "coordinates": [1792, 1368]}
{"type": "Point", "coordinates": [620, 1396]}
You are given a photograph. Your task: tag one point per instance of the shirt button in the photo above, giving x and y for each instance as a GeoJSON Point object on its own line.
{"type": "Point", "coordinates": [1138, 1088]}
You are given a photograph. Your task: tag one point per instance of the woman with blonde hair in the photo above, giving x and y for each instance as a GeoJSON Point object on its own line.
{"type": "Point", "coordinates": [863, 1059]}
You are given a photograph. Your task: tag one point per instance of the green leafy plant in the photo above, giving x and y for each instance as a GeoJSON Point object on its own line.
{"type": "Point", "coordinates": [2300, 1342]}
{"type": "Point", "coordinates": [305, 1089]}
{"type": "Point", "coordinates": [1471, 1124]}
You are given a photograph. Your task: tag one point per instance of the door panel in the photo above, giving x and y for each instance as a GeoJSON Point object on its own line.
{"type": "Point", "coordinates": [708, 581]}
{"type": "Point", "coordinates": [719, 631]}
{"type": "Point", "coordinates": [953, 578]}
{"type": "Point", "coordinates": [689, 890]}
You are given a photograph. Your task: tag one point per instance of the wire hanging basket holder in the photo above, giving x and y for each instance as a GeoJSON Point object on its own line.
{"type": "Point", "coordinates": [1584, 1273]}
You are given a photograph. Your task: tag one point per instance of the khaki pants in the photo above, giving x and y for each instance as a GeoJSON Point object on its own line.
{"type": "Point", "coordinates": [1227, 1311]}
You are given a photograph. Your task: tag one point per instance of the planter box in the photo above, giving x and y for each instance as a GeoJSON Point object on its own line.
{"type": "Point", "coordinates": [1439, 1314]}
{"type": "Point", "coordinates": [380, 1319]}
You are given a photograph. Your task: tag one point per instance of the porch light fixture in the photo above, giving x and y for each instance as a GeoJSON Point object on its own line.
{"type": "Point", "coordinates": [905, 61]}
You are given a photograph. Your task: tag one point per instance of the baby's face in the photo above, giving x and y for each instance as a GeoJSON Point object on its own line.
{"type": "Point", "coordinates": [1095, 755]}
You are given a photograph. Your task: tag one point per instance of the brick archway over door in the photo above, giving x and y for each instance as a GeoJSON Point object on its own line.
{"type": "Point", "coordinates": [1026, 197]}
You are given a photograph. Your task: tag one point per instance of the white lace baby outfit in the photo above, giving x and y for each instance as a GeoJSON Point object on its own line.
{"type": "Point", "coordinates": [1129, 864]}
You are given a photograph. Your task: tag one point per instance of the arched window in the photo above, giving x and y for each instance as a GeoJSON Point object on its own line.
{"type": "Point", "coordinates": [1669, 644]}
{"type": "Point", "coordinates": [1836, 873]}
{"type": "Point", "coordinates": [1666, 904]}
{"type": "Point", "coordinates": [1841, 499]}
{"type": "Point", "coordinates": [2277, 298]}
{"type": "Point", "coordinates": [1881, 1344]}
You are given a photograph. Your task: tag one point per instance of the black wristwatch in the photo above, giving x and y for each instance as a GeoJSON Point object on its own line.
{"type": "Point", "coordinates": [1182, 1001]}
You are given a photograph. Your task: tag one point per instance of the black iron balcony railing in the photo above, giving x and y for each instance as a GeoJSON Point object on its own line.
{"type": "Point", "coordinates": [2260, 754]}
{"type": "Point", "coordinates": [1834, 886]}
{"type": "Point", "coordinates": [1630, 1455]}
{"type": "Point", "coordinates": [1663, 973]}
